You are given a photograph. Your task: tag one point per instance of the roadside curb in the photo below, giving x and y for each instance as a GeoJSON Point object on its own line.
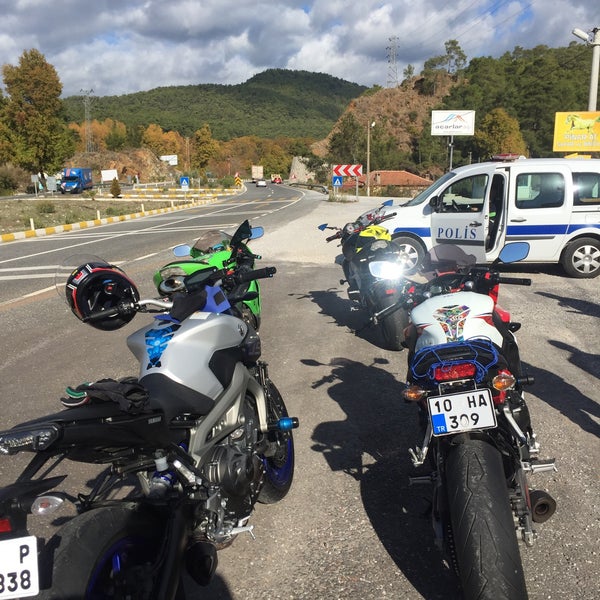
{"type": "Point", "coordinates": [46, 231]}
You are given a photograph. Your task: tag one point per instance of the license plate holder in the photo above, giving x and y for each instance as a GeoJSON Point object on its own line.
{"type": "Point", "coordinates": [19, 568]}
{"type": "Point", "coordinates": [461, 411]}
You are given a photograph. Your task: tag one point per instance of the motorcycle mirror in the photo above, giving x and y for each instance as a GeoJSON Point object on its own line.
{"type": "Point", "coordinates": [514, 252]}
{"type": "Point", "coordinates": [322, 227]}
{"type": "Point", "coordinates": [257, 232]}
{"type": "Point", "coordinates": [388, 203]}
{"type": "Point", "coordinates": [182, 250]}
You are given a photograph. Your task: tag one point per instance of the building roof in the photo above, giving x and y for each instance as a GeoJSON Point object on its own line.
{"type": "Point", "coordinates": [401, 178]}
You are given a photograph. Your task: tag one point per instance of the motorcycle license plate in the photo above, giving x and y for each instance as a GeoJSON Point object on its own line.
{"type": "Point", "coordinates": [19, 568]}
{"type": "Point", "coordinates": [463, 411]}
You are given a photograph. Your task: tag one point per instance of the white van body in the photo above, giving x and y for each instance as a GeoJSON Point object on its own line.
{"type": "Point", "coordinates": [552, 203]}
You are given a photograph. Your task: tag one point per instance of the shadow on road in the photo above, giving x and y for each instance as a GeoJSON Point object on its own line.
{"type": "Point", "coordinates": [565, 398]}
{"type": "Point", "coordinates": [345, 313]}
{"type": "Point", "coordinates": [371, 445]}
{"type": "Point", "coordinates": [575, 305]}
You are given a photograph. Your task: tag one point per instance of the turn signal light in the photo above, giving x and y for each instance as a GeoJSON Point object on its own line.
{"type": "Point", "coordinates": [505, 380]}
{"type": "Point", "coordinates": [413, 393]}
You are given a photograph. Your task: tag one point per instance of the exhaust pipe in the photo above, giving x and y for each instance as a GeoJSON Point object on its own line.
{"type": "Point", "coordinates": [543, 505]}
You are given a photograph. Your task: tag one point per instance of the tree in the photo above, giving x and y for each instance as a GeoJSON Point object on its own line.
{"type": "Point", "coordinates": [205, 148]}
{"type": "Point", "coordinates": [31, 116]}
{"type": "Point", "coordinates": [346, 142]}
{"type": "Point", "coordinates": [456, 59]}
{"type": "Point", "coordinates": [499, 133]}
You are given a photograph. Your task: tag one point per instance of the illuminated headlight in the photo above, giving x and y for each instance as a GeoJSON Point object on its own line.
{"type": "Point", "coordinates": [31, 440]}
{"type": "Point", "coordinates": [386, 270]}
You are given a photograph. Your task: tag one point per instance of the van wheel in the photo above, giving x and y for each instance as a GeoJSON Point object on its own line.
{"type": "Point", "coordinates": [581, 258]}
{"type": "Point", "coordinates": [411, 252]}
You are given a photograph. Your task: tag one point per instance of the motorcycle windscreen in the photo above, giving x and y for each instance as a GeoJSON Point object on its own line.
{"type": "Point", "coordinates": [459, 215]}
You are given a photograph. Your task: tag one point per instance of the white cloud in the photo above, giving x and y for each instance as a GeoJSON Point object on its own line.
{"type": "Point", "coordinates": [122, 46]}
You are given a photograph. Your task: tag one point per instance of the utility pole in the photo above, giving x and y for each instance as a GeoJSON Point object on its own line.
{"type": "Point", "coordinates": [87, 128]}
{"type": "Point", "coordinates": [370, 126]}
{"type": "Point", "coordinates": [593, 40]}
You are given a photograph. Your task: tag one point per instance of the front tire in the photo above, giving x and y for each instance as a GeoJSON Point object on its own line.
{"type": "Point", "coordinates": [107, 552]}
{"type": "Point", "coordinates": [411, 253]}
{"type": "Point", "coordinates": [392, 329]}
{"type": "Point", "coordinates": [279, 460]}
{"type": "Point", "coordinates": [483, 529]}
{"type": "Point", "coordinates": [581, 258]}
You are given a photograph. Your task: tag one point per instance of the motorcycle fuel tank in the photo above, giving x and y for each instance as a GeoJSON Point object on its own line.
{"type": "Point", "coordinates": [183, 351]}
{"type": "Point", "coordinates": [454, 318]}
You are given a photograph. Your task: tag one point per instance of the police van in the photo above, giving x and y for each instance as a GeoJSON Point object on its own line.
{"type": "Point", "coordinates": [552, 203]}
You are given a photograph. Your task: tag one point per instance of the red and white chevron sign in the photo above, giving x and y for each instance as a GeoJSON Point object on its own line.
{"type": "Point", "coordinates": [347, 170]}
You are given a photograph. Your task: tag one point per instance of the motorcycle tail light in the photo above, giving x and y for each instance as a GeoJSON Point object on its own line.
{"type": "Point", "coordinates": [5, 525]}
{"type": "Point", "coordinates": [413, 393]}
{"type": "Point", "coordinates": [456, 371]}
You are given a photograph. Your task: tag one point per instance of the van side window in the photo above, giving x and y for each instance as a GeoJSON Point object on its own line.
{"type": "Point", "coordinates": [465, 195]}
{"type": "Point", "coordinates": [586, 189]}
{"type": "Point", "coordinates": [540, 190]}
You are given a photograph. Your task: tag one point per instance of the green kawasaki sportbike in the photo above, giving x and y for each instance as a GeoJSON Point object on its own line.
{"type": "Point", "coordinates": [223, 251]}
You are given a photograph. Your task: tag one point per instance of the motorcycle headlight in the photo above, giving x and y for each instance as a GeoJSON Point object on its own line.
{"type": "Point", "coordinates": [171, 285]}
{"type": "Point", "coordinates": [379, 245]}
{"type": "Point", "coordinates": [169, 272]}
{"type": "Point", "coordinates": [32, 440]}
{"type": "Point", "coordinates": [386, 270]}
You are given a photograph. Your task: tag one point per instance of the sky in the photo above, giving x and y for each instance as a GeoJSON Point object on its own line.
{"type": "Point", "coordinates": [115, 47]}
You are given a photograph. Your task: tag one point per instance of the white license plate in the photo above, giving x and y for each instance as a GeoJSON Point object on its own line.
{"type": "Point", "coordinates": [463, 411]}
{"type": "Point", "coordinates": [19, 568]}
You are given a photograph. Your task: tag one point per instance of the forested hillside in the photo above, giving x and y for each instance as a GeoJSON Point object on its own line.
{"type": "Point", "coordinates": [272, 104]}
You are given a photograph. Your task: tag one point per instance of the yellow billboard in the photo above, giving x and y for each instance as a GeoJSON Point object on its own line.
{"type": "Point", "coordinates": [576, 132]}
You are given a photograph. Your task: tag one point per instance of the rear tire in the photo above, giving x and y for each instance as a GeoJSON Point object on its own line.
{"type": "Point", "coordinates": [581, 258]}
{"type": "Point", "coordinates": [279, 464]}
{"type": "Point", "coordinates": [485, 540]}
{"type": "Point", "coordinates": [107, 552]}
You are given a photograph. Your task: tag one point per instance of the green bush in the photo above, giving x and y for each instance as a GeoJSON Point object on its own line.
{"type": "Point", "coordinates": [45, 207]}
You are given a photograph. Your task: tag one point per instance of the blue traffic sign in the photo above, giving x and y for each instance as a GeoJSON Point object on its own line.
{"type": "Point", "coordinates": [184, 182]}
{"type": "Point", "coordinates": [337, 180]}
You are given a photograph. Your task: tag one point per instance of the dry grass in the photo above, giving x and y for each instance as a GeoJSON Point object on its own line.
{"type": "Point", "coordinates": [16, 214]}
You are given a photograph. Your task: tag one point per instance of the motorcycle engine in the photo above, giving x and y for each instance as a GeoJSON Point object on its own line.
{"type": "Point", "coordinates": [233, 469]}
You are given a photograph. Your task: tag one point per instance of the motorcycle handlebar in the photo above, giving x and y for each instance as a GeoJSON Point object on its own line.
{"type": "Point", "coordinates": [335, 236]}
{"type": "Point", "coordinates": [264, 273]}
{"type": "Point", "coordinates": [515, 280]}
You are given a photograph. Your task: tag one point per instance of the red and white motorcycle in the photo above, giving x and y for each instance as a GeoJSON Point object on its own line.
{"type": "Point", "coordinates": [466, 377]}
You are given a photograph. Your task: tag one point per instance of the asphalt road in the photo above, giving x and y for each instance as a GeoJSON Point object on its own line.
{"type": "Point", "coordinates": [351, 527]}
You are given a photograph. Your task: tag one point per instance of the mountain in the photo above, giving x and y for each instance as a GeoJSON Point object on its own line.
{"type": "Point", "coordinates": [274, 103]}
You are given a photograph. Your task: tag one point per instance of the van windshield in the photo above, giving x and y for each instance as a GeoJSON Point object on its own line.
{"type": "Point", "coordinates": [426, 193]}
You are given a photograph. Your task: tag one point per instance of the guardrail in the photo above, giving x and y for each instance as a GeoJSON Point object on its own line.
{"type": "Point", "coordinates": [311, 186]}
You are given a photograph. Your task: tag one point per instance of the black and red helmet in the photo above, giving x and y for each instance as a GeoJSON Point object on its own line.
{"type": "Point", "coordinates": [97, 286]}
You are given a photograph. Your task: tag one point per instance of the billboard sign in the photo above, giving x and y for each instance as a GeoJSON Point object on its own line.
{"type": "Point", "coordinates": [576, 132]}
{"type": "Point", "coordinates": [452, 122]}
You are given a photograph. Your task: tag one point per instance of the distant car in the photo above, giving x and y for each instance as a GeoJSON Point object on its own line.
{"type": "Point", "coordinates": [261, 183]}
{"type": "Point", "coordinates": [276, 180]}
